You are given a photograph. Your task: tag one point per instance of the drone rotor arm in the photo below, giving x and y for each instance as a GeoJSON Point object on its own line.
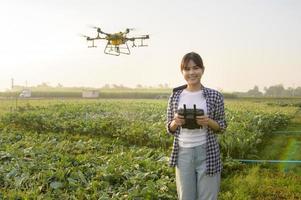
{"type": "Point", "coordinates": [99, 31]}
{"type": "Point", "coordinates": [143, 37]}
{"type": "Point", "coordinates": [130, 39]}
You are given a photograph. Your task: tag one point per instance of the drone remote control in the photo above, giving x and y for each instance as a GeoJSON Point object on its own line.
{"type": "Point", "coordinates": [190, 117]}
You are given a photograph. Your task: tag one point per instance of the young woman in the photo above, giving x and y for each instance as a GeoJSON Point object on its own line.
{"type": "Point", "coordinates": [196, 153]}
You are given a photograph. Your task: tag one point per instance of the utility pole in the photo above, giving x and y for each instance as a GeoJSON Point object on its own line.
{"type": "Point", "coordinates": [11, 94]}
{"type": "Point", "coordinates": [12, 83]}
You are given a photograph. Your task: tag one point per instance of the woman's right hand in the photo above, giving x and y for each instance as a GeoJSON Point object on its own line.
{"type": "Point", "coordinates": [178, 119]}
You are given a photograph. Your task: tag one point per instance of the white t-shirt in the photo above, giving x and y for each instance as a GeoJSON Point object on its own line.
{"type": "Point", "coordinates": [192, 137]}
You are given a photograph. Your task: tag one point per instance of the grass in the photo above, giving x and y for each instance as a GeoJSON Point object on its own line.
{"type": "Point", "coordinates": [285, 145]}
{"type": "Point", "coordinates": [258, 183]}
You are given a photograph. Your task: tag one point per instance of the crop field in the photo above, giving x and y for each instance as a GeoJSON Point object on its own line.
{"type": "Point", "coordinates": [119, 149]}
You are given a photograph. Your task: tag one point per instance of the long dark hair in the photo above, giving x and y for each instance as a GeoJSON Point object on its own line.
{"type": "Point", "coordinates": [196, 58]}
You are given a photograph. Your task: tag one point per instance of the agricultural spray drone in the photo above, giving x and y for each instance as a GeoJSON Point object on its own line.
{"type": "Point", "coordinates": [116, 42]}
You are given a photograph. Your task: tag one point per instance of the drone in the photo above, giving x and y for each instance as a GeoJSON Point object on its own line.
{"type": "Point", "coordinates": [116, 42]}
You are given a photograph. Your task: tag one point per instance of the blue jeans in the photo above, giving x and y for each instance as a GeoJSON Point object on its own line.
{"type": "Point", "coordinates": [191, 179]}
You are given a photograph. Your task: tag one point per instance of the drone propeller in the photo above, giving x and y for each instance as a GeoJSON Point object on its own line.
{"type": "Point", "coordinates": [92, 26]}
{"type": "Point", "coordinates": [85, 36]}
{"type": "Point", "coordinates": [127, 30]}
{"type": "Point", "coordinates": [97, 28]}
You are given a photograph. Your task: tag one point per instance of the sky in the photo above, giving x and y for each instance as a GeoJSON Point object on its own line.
{"type": "Point", "coordinates": [242, 43]}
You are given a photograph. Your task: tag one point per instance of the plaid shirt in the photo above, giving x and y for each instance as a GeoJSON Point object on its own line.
{"type": "Point", "coordinates": [215, 107]}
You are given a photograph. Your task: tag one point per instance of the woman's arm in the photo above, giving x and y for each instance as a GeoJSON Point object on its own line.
{"type": "Point", "coordinates": [219, 114]}
{"type": "Point", "coordinates": [174, 121]}
{"type": "Point", "coordinates": [170, 125]}
{"type": "Point", "coordinates": [213, 125]}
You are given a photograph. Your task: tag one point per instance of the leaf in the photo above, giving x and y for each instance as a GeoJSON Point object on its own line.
{"type": "Point", "coordinates": [5, 156]}
{"type": "Point", "coordinates": [20, 180]}
{"type": "Point", "coordinates": [56, 185]}
{"type": "Point", "coordinates": [82, 177]}
{"type": "Point", "coordinates": [12, 173]}
{"type": "Point", "coordinates": [72, 181]}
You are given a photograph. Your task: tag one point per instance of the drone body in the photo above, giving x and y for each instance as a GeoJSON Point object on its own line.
{"type": "Point", "coordinates": [116, 42]}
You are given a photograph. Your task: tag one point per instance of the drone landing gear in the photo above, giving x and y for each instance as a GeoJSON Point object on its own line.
{"type": "Point", "coordinates": [116, 50]}
{"type": "Point", "coordinates": [141, 44]}
{"type": "Point", "coordinates": [92, 46]}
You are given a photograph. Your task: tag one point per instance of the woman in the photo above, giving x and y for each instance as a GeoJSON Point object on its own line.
{"type": "Point", "coordinates": [196, 153]}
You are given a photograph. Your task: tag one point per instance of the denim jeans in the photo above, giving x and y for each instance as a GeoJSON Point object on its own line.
{"type": "Point", "coordinates": [191, 179]}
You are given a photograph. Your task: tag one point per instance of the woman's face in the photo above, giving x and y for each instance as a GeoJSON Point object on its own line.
{"type": "Point", "coordinates": [192, 73]}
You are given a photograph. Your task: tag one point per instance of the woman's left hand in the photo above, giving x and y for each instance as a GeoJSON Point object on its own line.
{"type": "Point", "coordinates": [207, 122]}
{"type": "Point", "coordinates": [202, 120]}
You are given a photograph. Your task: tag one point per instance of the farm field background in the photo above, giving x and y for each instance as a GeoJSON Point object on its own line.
{"type": "Point", "coordinates": [119, 149]}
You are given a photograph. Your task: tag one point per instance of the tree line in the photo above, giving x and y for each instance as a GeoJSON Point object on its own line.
{"type": "Point", "coordinates": [272, 91]}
